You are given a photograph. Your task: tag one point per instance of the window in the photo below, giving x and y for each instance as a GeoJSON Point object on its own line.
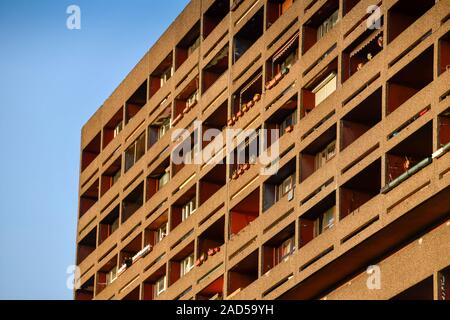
{"type": "Point", "coordinates": [286, 249]}
{"type": "Point", "coordinates": [326, 155]}
{"type": "Point", "coordinates": [194, 46]}
{"type": "Point", "coordinates": [111, 275]}
{"type": "Point", "coordinates": [285, 187]}
{"type": "Point", "coordinates": [188, 209]}
{"type": "Point", "coordinates": [324, 222]}
{"type": "Point", "coordinates": [190, 102]}
{"type": "Point", "coordinates": [161, 233]}
{"type": "Point", "coordinates": [290, 120]}
{"type": "Point", "coordinates": [166, 75]}
{"type": "Point", "coordinates": [325, 88]}
{"type": "Point", "coordinates": [118, 128]}
{"type": "Point", "coordinates": [164, 127]}
{"type": "Point", "coordinates": [135, 152]}
{"type": "Point", "coordinates": [187, 265]}
{"type": "Point", "coordinates": [327, 25]}
{"type": "Point", "coordinates": [160, 285]}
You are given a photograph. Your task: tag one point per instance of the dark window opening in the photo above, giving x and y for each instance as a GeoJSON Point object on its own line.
{"type": "Point", "coordinates": [410, 80]}
{"type": "Point", "coordinates": [90, 152]}
{"type": "Point", "coordinates": [210, 242]}
{"type": "Point", "coordinates": [89, 198]}
{"type": "Point", "coordinates": [248, 94]}
{"type": "Point", "coordinates": [133, 202]}
{"type": "Point", "coordinates": [184, 207]}
{"type": "Point", "coordinates": [361, 119]}
{"type": "Point", "coordinates": [159, 128]}
{"type": "Point", "coordinates": [243, 274]}
{"type": "Point", "coordinates": [128, 255]}
{"type": "Point", "coordinates": [187, 46]}
{"type": "Point", "coordinates": [318, 153]}
{"type": "Point", "coordinates": [186, 100]}
{"type": "Point", "coordinates": [215, 69]}
{"type": "Point", "coordinates": [214, 15]}
{"type": "Point", "coordinates": [136, 102]}
{"type": "Point", "coordinates": [111, 175]}
{"type": "Point", "coordinates": [444, 128]}
{"type": "Point", "coordinates": [155, 285]}
{"type": "Point", "coordinates": [157, 230]}
{"type": "Point", "coordinates": [280, 185]}
{"type": "Point", "coordinates": [185, 153]}
{"type": "Point", "coordinates": [404, 13]}
{"type": "Point", "coordinates": [213, 291]}
{"type": "Point", "coordinates": [212, 182]}
{"type": "Point", "coordinates": [158, 179]}
{"type": "Point", "coordinates": [135, 152]}
{"type": "Point", "coordinates": [283, 120]}
{"type": "Point", "coordinates": [421, 291]}
{"type": "Point", "coordinates": [246, 154]}
{"type": "Point", "coordinates": [275, 9]}
{"type": "Point", "coordinates": [281, 62]}
{"type": "Point", "coordinates": [248, 35]}
{"type": "Point", "coordinates": [86, 291]}
{"type": "Point", "coordinates": [161, 75]}
{"type": "Point", "coordinates": [181, 263]}
{"type": "Point", "coordinates": [360, 189]}
{"type": "Point", "coordinates": [444, 53]}
{"type": "Point", "coordinates": [107, 275]}
{"type": "Point", "coordinates": [322, 22]}
{"type": "Point", "coordinates": [349, 5]}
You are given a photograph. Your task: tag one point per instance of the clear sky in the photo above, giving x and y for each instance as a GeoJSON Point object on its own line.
{"type": "Point", "coordinates": [51, 81]}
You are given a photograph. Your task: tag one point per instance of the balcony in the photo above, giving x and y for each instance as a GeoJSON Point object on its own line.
{"type": "Point", "coordinates": [214, 291]}
{"type": "Point", "coordinates": [111, 176]}
{"type": "Point", "coordinates": [248, 35]}
{"type": "Point", "coordinates": [410, 80]}
{"type": "Point", "coordinates": [186, 100]}
{"type": "Point", "coordinates": [214, 15]}
{"type": "Point", "coordinates": [422, 291]}
{"type": "Point", "coordinates": [403, 14]}
{"type": "Point", "coordinates": [348, 5]}
{"type": "Point", "coordinates": [320, 24]}
{"type": "Point", "coordinates": [444, 128]}
{"type": "Point", "coordinates": [212, 182]}
{"type": "Point", "coordinates": [275, 9]}
{"type": "Point", "coordinates": [157, 230]}
{"type": "Point", "coordinates": [132, 202]}
{"type": "Point", "coordinates": [444, 53]}
{"type": "Point", "coordinates": [242, 214]}
{"type": "Point", "coordinates": [280, 185]}
{"type": "Point", "coordinates": [89, 198]}
{"type": "Point", "coordinates": [135, 152]}
{"type": "Point", "coordinates": [136, 102]}
{"type": "Point", "coordinates": [86, 246]}
{"type": "Point", "coordinates": [243, 274]}
{"type": "Point", "coordinates": [160, 126]}
{"type": "Point", "coordinates": [187, 46]}
{"type": "Point", "coordinates": [106, 275]}
{"type": "Point", "coordinates": [159, 178]}
{"type": "Point", "coordinates": [112, 128]}
{"type": "Point", "coordinates": [361, 119]}
{"type": "Point", "coordinates": [184, 207]}
{"type": "Point", "coordinates": [283, 120]}
{"type": "Point", "coordinates": [161, 74]}
{"type": "Point", "coordinates": [181, 263]}
{"type": "Point", "coordinates": [247, 95]}
{"type": "Point", "coordinates": [211, 241]}
{"type": "Point", "coordinates": [155, 285]}
{"type": "Point", "coordinates": [129, 254]}
{"type": "Point", "coordinates": [90, 152]}
{"type": "Point", "coordinates": [360, 189]}
{"type": "Point", "coordinates": [279, 248]}
{"type": "Point", "coordinates": [86, 291]}
{"type": "Point", "coordinates": [215, 69]}
{"type": "Point", "coordinates": [109, 225]}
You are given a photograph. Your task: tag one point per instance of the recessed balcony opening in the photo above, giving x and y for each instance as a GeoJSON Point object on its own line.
{"type": "Point", "coordinates": [158, 179]}
{"type": "Point", "coordinates": [444, 53]}
{"type": "Point", "coordinates": [86, 291]}
{"type": "Point", "coordinates": [210, 242]}
{"type": "Point", "coordinates": [360, 189]}
{"type": "Point", "coordinates": [128, 255]}
{"type": "Point", "coordinates": [185, 153]}
{"type": "Point", "coordinates": [248, 35]}
{"type": "Point", "coordinates": [214, 291]}
{"type": "Point", "coordinates": [248, 94]}
{"type": "Point", "coordinates": [212, 182]}
{"type": "Point", "coordinates": [318, 153]}
{"type": "Point", "coordinates": [89, 198]}
{"type": "Point", "coordinates": [245, 155]}
{"type": "Point", "coordinates": [348, 5]}
{"type": "Point", "coordinates": [135, 152]}
{"type": "Point", "coordinates": [215, 69]}
{"type": "Point", "coordinates": [244, 213]}
{"type": "Point", "coordinates": [187, 46]}
{"type": "Point", "coordinates": [279, 186]}
{"type": "Point", "coordinates": [410, 80]}
{"type": "Point", "coordinates": [158, 129]}
{"type": "Point", "coordinates": [361, 119]}
{"type": "Point", "coordinates": [113, 128]}
{"type": "Point", "coordinates": [136, 102]}
{"type": "Point", "coordinates": [322, 22]}
{"type": "Point", "coordinates": [184, 207]}
{"type": "Point", "coordinates": [155, 285]}
{"type": "Point", "coordinates": [157, 230]}
{"type": "Point", "coordinates": [133, 295]}
{"type": "Point", "coordinates": [279, 248]}
{"type": "Point", "coordinates": [281, 62]}
{"type": "Point", "coordinates": [421, 291]}
{"type": "Point", "coordinates": [410, 156]}
{"type": "Point", "coordinates": [318, 220]}
{"type": "Point", "coordinates": [218, 121]}
{"type": "Point", "coordinates": [109, 225]}
{"type": "Point", "coordinates": [283, 120]}
{"type": "Point", "coordinates": [186, 100]}
{"type": "Point", "coordinates": [161, 74]}
{"type": "Point", "coordinates": [133, 201]}
{"type": "Point", "coordinates": [275, 9]}
{"type": "Point", "coordinates": [404, 13]}
{"type": "Point", "coordinates": [86, 246]}
{"type": "Point", "coordinates": [111, 176]}
{"type": "Point", "coordinates": [181, 263]}
{"type": "Point", "coordinates": [243, 274]}
{"type": "Point", "coordinates": [214, 15]}
{"type": "Point", "coordinates": [320, 88]}
{"type": "Point", "coordinates": [90, 152]}
{"type": "Point", "coordinates": [444, 284]}
{"type": "Point", "coordinates": [361, 51]}
{"type": "Point", "coordinates": [107, 275]}
{"type": "Point", "coordinates": [444, 128]}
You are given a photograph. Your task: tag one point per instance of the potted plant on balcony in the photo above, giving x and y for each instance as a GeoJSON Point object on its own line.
{"type": "Point", "coordinates": [289, 129]}
{"type": "Point", "coordinates": [250, 104]}
{"type": "Point", "coordinates": [211, 252]}
{"type": "Point", "coordinates": [256, 98]}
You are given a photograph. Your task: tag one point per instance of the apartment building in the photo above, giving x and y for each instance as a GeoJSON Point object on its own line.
{"type": "Point", "coordinates": [359, 94]}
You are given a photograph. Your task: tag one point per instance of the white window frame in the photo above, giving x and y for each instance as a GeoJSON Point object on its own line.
{"type": "Point", "coordinates": [325, 155]}
{"type": "Point", "coordinates": [324, 89]}
{"type": "Point", "coordinates": [188, 209]}
{"type": "Point", "coordinates": [187, 265]}
{"type": "Point", "coordinates": [285, 187]}
{"type": "Point", "coordinates": [161, 285]}
{"type": "Point", "coordinates": [286, 249]}
{"type": "Point", "coordinates": [328, 216]}
{"type": "Point", "coordinates": [327, 25]}
{"type": "Point", "coordinates": [162, 232]}
{"type": "Point", "coordinates": [111, 276]}
{"type": "Point", "coordinates": [193, 98]}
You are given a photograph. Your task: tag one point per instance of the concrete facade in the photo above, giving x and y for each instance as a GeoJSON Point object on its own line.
{"type": "Point", "coordinates": [366, 154]}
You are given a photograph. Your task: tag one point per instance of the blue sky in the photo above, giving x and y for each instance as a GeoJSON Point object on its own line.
{"type": "Point", "coordinates": [51, 81]}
